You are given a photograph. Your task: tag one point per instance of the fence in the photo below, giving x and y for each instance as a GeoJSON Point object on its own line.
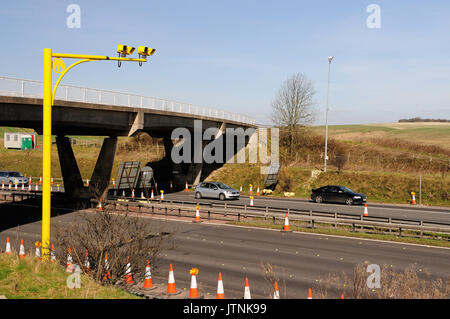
{"type": "Point", "coordinates": [33, 89]}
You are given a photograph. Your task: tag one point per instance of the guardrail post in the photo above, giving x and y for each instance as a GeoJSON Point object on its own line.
{"type": "Point", "coordinates": [179, 212]}
{"type": "Point", "coordinates": [245, 208]}
{"type": "Point", "coordinates": [335, 217]}
{"type": "Point", "coordinates": [209, 215]}
{"type": "Point", "coordinates": [421, 230]}
{"type": "Point", "coordinates": [390, 222]}
{"type": "Point", "coordinates": [399, 232]}
{"type": "Point", "coordinates": [312, 223]}
{"type": "Point", "coordinates": [139, 208]}
{"type": "Point", "coordinates": [239, 217]}
{"type": "Point", "coordinates": [165, 210]}
{"type": "Point", "coordinates": [273, 220]}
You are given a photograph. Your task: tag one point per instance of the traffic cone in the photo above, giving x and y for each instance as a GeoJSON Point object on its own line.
{"type": "Point", "coordinates": [186, 188]}
{"type": "Point", "coordinates": [87, 265]}
{"type": "Point", "coordinates": [36, 188]}
{"type": "Point", "coordinates": [309, 293]}
{"type": "Point", "coordinates": [123, 193]}
{"type": "Point", "coordinates": [251, 189]}
{"type": "Point", "coordinates": [152, 197]}
{"type": "Point", "coordinates": [99, 206]}
{"type": "Point", "coordinates": [87, 182]}
{"type": "Point", "coordinates": [251, 201]}
{"type": "Point", "coordinates": [15, 186]}
{"type": "Point", "coordinates": [8, 247]}
{"type": "Point", "coordinates": [148, 284]}
{"type": "Point", "coordinates": [240, 188]}
{"type": "Point", "coordinates": [128, 273]}
{"type": "Point", "coordinates": [220, 292]}
{"type": "Point", "coordinates": [276, 294]}
{"type": "Point", "coordinates": [132, 193]}
{"type": "Point", "coordinates": [3, 185]}
{"type": "Point", "coordinates": [40, 180]}
{"type": "Point", "coordinates": [38, 251]}
{"type": "Point", "coordinates": [247, 290]}
{"type": "Point", "coordinates": [114, 183]}
{"type": "Point", "coordinates": [69, 267]}
{"type": "Point", "coordinates": [257, 191]}
{"type": "Point", "coordinates": [9, 186]}
{"type": "Point", "coordinates": [162, 195]}
{"type": "Point", "coordinates": [365, 211]}
{"type": "Point", "coordinates": [21, 250]}
{"type": "Point", "coordinates": [29, 187]}
{"type": "Point", "coordinates": [342, 296]}
{"type": "Point", "coordinates": [197, 214]}
{"type": "Point", "coordinates": [142, 195]}
{"type": "Point", "coordinates": [23, 186]}
{"type": "Point", "coordinates": [286, 227]}
{"type": "Point", "coordinates": [51, 180]}
{"type": "Point", "coordinates": [193, 293]}
{"type": "Point", "coordinates": [171, 288]}
{"type": "Point", "coordinates": [52, 254]}
{"type": "Point", "coordinates": [413, 198]}
{"type": "Point", "coordinates": [107, 272]}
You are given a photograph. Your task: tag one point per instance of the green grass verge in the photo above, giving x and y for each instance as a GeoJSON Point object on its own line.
{"type": "Point", "coordinates": [345, 231]}
{"type": "Point", "coordinates": [30, 278]}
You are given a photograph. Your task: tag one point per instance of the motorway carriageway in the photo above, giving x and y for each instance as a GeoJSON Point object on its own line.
{"type": "Point", "coordinates": [300, 260]}
{"type": "Point", "coordinates": [431, 214]}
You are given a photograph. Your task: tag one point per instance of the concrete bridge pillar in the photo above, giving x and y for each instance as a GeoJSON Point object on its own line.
{"type": "Point", "coordinates": [102, 172]}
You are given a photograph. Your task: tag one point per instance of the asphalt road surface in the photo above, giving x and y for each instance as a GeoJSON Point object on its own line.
{"type": "Point", "coordinates": [300, 260]}
{"type": "Point", "coordinates": [431, 214]}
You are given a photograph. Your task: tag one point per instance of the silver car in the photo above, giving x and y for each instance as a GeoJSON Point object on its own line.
{"type": "Point", "coordinates": [215, 190]}
{"type": "Point", "coordinates": [12, 177]}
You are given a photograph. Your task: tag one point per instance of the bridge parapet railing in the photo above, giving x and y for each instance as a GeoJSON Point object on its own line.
{"type": "Point", "coordinates": [33, 89]}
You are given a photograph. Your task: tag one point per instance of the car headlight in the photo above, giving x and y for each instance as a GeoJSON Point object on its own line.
{"type": "Point", "coordinates": [356, 196]}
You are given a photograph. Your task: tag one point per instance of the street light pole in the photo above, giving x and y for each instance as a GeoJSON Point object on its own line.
{"type": "Point", "coordinates": [330, 58]}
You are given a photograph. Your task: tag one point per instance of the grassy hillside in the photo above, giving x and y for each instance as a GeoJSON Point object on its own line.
{"type": "Point", "coordinates": [29, 278]}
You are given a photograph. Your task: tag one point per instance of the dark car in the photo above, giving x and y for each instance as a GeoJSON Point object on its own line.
{"type": "Point", "coordinates": [337, 194]}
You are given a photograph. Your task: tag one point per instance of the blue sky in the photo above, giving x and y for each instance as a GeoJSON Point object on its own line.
{"type": "Point", "coordinates": [235, 55]}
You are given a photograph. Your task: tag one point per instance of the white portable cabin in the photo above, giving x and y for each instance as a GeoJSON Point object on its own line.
{"type": "Point", "coordinates": [14, 140]}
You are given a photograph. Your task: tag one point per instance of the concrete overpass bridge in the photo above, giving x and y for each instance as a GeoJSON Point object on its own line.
{"type": "Point", "coordinates": [94, 112]}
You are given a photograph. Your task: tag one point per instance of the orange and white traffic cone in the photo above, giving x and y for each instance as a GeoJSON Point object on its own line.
{"type": "Point", "coordinates": [132, 193]}
{"type": "Point", "coordinates": [23, 186]}
{"type": "Point", "coordinates": [286, 227]}
{"type": "Point", "coordinates": [38, 250]}
{"type": "Point", "coordinates": [220, 292]}
{"type": "Point", "coordinates": [171, 288]}
{"type": "Point", "coordinates": [114, 183]}
{"type": "Point", "coordinates": [309, 293]}
{"type": "Point", "coordinates": [29, 187]}
{"type": "Point", "coordinates": [106, 267]}
{"type": "Point", "coordinates": [186, 188]}
{"type": "Point", "coordinates": [152, 197]}
{"type": "Point", "coordinates": [247, 294]}
{"type": "Point", "coordinates": [36, 188]}
{"type": "Point", "coordinates": [162, 195]}
{"type": "Point", "coordinates": [251, 189]}
{"type": "Point", "coordinates": [276, 293]}
{"type": "Point", "coordinates": [8, 247]}
{"type": "Point", "coordinates": [193, 292]}
{"type": "Point", "coordinates": [40, 180]}
{"type": "Point", "coordinates": [3, 185]}
{"type": "Point", "coordinates": [142, 195]}
{"type": "Point", "coordinates": [197, 215]}
{"type": "Point", "coordinates": [365, 211]}
{"type": "Point", "coordinates": [128, 273]}
{"type": "Point", "coordinates": [69, 264]}
{"type": "Point", "coordinates": [413, 198]}
{"type": "Point", "coordinates": [342, 296]}
{"type": "Point", "coordinates": [257, 191]}
{"type": "Point", "coordinates": [99, 206]}
{"type": "Point", "coordinates": [52, 254]}
{"type": "Point", "coordinates": [21, 250]}
{"type": "Point", "coordinates": [251, 201]}
{"type": "Point", "coordinates": [87, 265]}
{"type": "Point", "coordinates": [87, 182]}
{"type": "Point", "coordinates": [148, 284]}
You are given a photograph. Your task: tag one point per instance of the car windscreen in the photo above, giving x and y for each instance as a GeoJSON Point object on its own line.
{"type": "Point", "coordinates": [15, 174]}
{"type": "Point", "coordinates": [223, 186]}
{"type": "Point", "coordinates": [347, 190]}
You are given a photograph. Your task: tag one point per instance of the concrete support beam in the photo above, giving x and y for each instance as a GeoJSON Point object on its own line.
{"type": "Point", "coordinates": [138, 124]}
{"type": "Point", "coordinates": [73, 184]}
{"type": "Point", "coordinates": [102, 171]}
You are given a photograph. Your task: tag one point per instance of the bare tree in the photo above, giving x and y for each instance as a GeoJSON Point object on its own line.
{"type": "Point", "coordinates": [294, 104]}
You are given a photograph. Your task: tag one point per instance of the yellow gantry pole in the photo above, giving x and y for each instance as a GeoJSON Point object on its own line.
{"type": "Point", "coordinates": [48, 97]}
{"type": "Point", "coordinates": [46, 154]}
